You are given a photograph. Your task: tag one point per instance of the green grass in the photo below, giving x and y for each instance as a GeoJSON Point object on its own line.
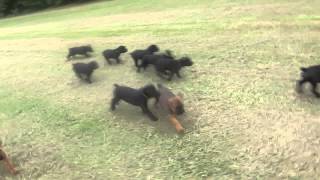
{"type": "Point", "coordinates": [243, 120]}
{"type": "Point", "coordinates": [82, 139]}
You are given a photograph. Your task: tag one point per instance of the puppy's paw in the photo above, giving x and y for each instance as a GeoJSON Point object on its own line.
{"type": "Point", "coordinates": [180, 130]}
{"type": "Point", "coordinates": [15, 172]}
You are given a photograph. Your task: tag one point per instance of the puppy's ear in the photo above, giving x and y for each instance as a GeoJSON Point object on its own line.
{"type": "Point", "coordinates": [171, 104]}
{"type": "Point", "coordinates": [180, 95]}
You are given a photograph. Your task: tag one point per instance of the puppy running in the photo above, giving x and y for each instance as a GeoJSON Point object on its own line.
{"type": "Point", "coordinates": [114, 54]}
{"type": "Point", "coordinates": [136, 97]}
{"type": "Point", "coordinates": [153, 58]}
{"type": "Point", "coordinates": [81, 50]}
{"type": "Point", "coordinates": [140, 53]}
{"type": "Point", "coordinates": [169, 66]}
{"type": "Point", "coordinates": [173, 104]}
{"type": "Point", "coordinates": [84, 71]}
{"type": "Point", "coordinates": [312, 75]}
{"type": "Point", "coordinates": [7, 162]}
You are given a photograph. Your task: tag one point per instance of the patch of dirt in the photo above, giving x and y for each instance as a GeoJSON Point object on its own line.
{"type": "Point", "coordinates": [281, 143]}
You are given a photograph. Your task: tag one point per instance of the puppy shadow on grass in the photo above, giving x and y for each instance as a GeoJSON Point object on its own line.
{"type": "Point", "coordinates": [165, 126]}
{"type": "Point", "coordinates": [128, 113]}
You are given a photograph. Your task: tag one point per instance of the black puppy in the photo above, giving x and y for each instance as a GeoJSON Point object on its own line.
{"type": "Point", "coordinates": [81, 50]}
{"type": "Point", "coordinates": [83, 69]}
{"type": "Point", "coordinates": [140, 53]}
{"type": "Point", "coordinates": [114, 54]}
{"type": "Point", "coordinates": [312, 75]}
{"type": "Point", "coordinates": [136, 97]}
{"type": "Point", "coordinates": [169, 66]}
{"type": "Point", "coordinates": [153, 58]}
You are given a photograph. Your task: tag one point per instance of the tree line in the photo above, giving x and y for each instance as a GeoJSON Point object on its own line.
{"type": "Point", "coordinates": [15, 7]}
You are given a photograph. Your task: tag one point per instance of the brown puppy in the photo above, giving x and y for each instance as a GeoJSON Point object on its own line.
{"type": "Point", "coordinates": [7, 162]}
{"type": "Point", "coordinates": [172, 103]}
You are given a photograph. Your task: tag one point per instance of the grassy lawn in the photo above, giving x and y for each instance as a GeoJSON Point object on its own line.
{"type": "Point", "coordinates": [244, 120]}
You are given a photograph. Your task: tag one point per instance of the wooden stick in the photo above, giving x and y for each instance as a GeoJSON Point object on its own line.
{"type": "Point", "coordinates": [176, 124]}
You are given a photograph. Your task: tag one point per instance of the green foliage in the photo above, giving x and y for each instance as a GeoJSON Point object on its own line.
{"type": "Point", "coordinates": [8, 7]}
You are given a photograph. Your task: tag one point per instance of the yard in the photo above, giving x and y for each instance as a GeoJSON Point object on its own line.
{"type": "Point", "coordinates": [244, 119]}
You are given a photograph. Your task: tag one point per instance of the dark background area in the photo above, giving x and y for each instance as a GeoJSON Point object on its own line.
{"type": "Point", "coordinates": [16, 7]}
